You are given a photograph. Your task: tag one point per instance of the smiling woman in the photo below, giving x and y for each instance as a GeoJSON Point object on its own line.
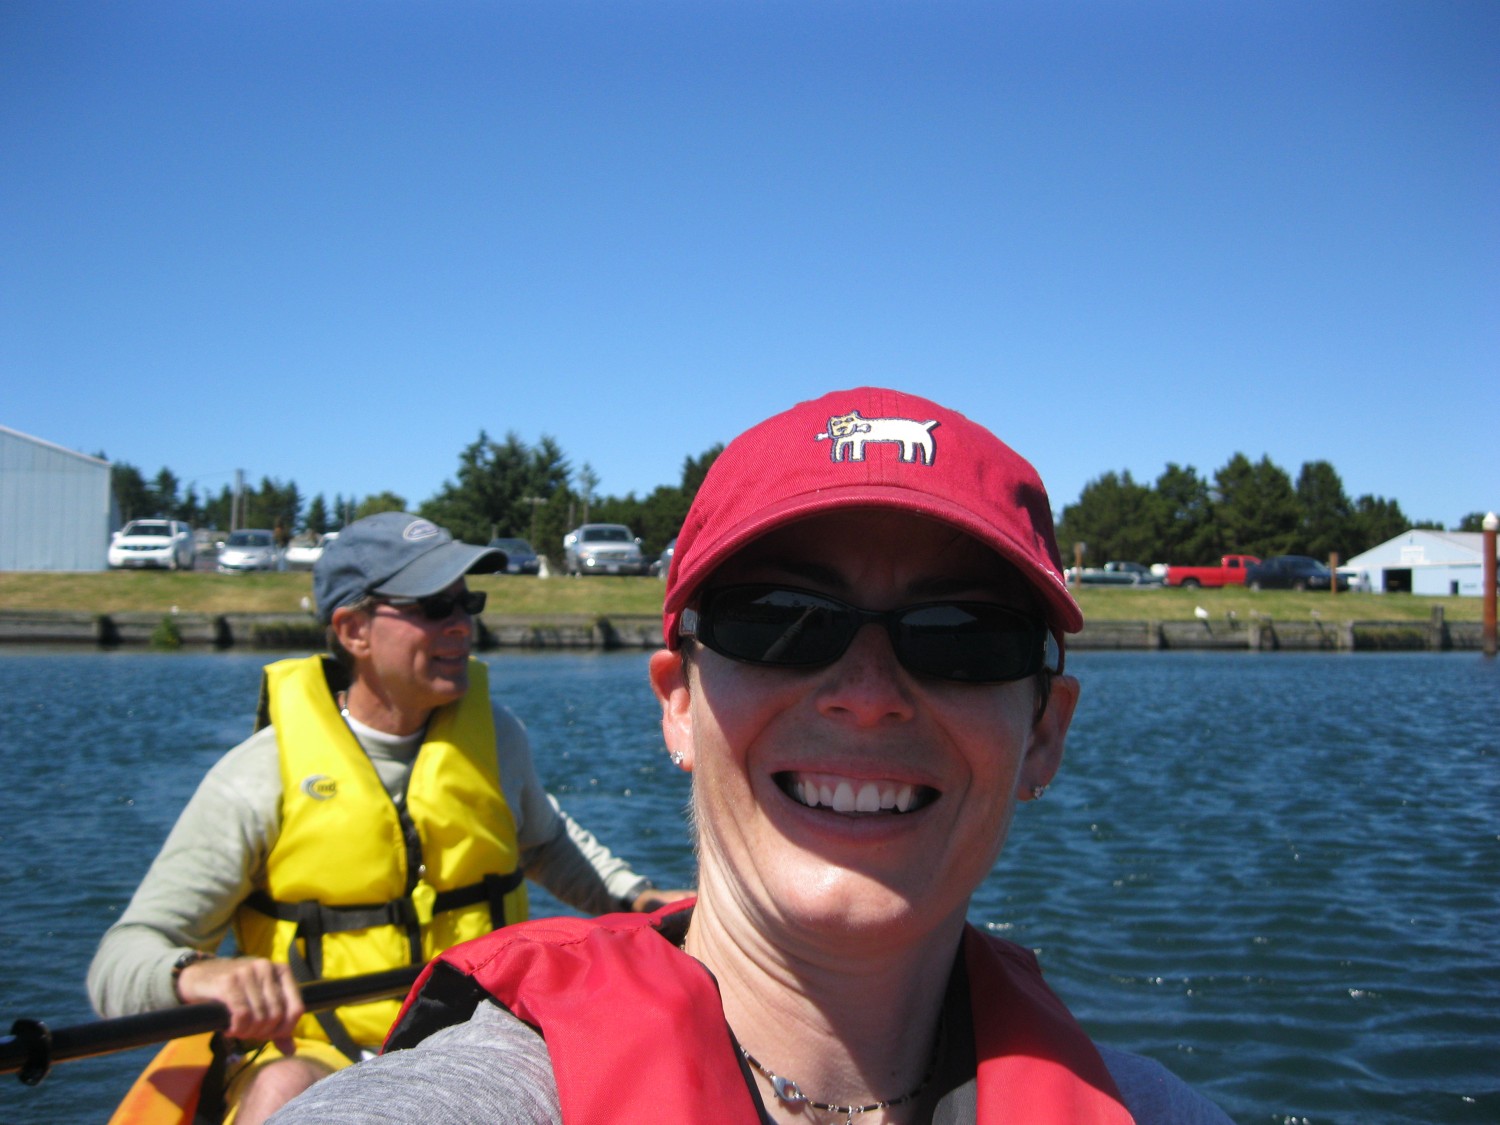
{"type": "Point", "coordinates": [960, 739]}
{"type": "Point", "coordinates": [865, 626]}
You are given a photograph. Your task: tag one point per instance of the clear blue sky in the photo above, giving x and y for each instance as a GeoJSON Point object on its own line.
{"type": "Point", "coordinates": [331, 242]}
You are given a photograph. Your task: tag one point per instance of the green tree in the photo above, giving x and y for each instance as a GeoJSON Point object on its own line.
{"type": "Point", "coordinates": [1374, 520]}
{"type": "Point", "coordinates": [1115, 518]}
{"type": "Point", "coordinates": [1325, 511]}
{"type": "Point", "coordinates": [132, 493]}
{"type": "Point", "coordinates": [192, 508]}
{"type": "Point", "coordinates": [1474, 521]}
{"type": "Point", "coordinates": [502, 488]}
{"type": "Point", "coordinates": [271, 503]}
{"type": "Point", "coordinates": [547, 521]}
{"type": "Point", "coordinates": [317, 515]}
{"type": "Point", "coordinates": [379, 502]}
{"type": "Point", "coordinates": [1255, 507]}
{"type": "Point", "coordinates": [1185, 517]}
{"type": "Point", "coordinates": [164, 499]}
{"type": "Point", "coordinates": [217, 509]}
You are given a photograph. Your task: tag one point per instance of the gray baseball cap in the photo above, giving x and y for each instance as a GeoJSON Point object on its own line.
{"type": "Point", "coordinates": [396, 554]}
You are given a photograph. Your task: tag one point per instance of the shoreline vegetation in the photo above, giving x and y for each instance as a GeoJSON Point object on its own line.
{"type": "Point", "coordinates": [272, 610]}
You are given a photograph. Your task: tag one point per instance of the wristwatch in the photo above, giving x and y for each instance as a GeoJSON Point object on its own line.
{"type": "Point", "coordinates": [188, 957]}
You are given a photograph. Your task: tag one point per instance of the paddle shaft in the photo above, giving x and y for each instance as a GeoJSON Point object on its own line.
{"type": "Point", "coordinates": [31, 1047]}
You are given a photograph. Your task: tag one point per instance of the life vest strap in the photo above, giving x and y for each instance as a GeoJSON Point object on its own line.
{"type": "Point", "coordinates": [335, 919]}
{"type": "Point", "coordinates": [398, 912]}
{"type": "Point", "coordinates": [491, 889]}
{"type": "Point", "coordinates": [328, 1019]}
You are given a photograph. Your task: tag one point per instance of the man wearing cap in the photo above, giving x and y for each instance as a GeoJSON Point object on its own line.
{"type": "Point", "coordinates": [383, 811]}
{"type": "Point", "coordinates": [865, 620]}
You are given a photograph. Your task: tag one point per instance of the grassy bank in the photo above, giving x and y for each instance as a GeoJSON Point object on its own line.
{"type": "Point", "coordinates": [206, 592]}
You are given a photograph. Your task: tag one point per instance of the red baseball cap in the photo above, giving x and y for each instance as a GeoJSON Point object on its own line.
{"type": "Point", "coordinates": [870, 447]}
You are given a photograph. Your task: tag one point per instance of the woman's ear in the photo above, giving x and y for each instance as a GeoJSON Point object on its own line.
{"type": "Point", "coordinates": [1044, 749]}
{"type": "Point", "coordinates": [669, 680]}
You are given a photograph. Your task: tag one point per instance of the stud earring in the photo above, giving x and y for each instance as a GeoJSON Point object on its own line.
{"type": "Point", "coordinates": [1037, 791]}
{"type": "Point", "coordinates": [677, 757]}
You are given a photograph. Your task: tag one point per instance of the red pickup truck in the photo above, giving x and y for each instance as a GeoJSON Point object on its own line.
{"type": "Point", "coordinates": [1229, 572]}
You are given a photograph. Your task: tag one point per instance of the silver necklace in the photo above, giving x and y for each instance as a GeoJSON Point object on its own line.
{"type": "Point", "coordinates": [790, 1093]}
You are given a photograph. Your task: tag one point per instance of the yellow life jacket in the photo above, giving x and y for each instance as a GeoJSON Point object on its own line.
{"type": "Point", "coordinates": [355, 885]}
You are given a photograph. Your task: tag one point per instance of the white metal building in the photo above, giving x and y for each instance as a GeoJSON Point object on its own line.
{"type": "Point", "coordinates": [56, 507]}
{"type": "Point", "coordinates": [1425, 562]}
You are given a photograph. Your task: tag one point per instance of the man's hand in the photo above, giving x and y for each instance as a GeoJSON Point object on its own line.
{"type": "Point", "coordinates": [647, 901]}
{"type": "Point", "coordinates": [262, 996]}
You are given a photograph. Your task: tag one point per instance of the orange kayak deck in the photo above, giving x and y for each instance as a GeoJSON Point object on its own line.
{"type": "Point", "coordinates": [167, 1091]}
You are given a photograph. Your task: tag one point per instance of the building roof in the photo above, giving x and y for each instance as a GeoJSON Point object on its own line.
{"type": "Point", "coordinates": [6, 431]}
{"type": "Point", "coordinates": [1419, 547]}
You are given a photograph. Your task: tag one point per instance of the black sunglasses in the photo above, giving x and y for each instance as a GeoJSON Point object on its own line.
{"type": "Point", "coordinates": [784, 627]}
{"type": "Point", "coordinates": [440, 607]}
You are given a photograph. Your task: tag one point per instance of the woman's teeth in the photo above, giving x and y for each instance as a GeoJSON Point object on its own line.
{"type": "Point", "coordinates": [851, 797]}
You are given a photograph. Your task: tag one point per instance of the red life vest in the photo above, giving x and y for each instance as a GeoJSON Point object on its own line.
{"type": "Point", "coordinates": [607, 994]}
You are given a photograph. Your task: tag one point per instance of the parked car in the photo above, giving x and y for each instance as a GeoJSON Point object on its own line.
{"type": "Point", "coordinates": [664, 561]}
{"type": "Point", "coordinates": [603, 548]}
{"type": "Point", "coordinates": [520, 557]}
{"type": "Point", "coordinates": [306, 549]}
{"type": "Point", "coordinates": [247, 550]}
{"type": "Point", "coordinates": [1115, 574]}
{"type": "Point", "coordinates": [1291, 572]}
{"type": "Point", "coordinates": [1358, 580]}
{"type": "Point", "coordinates": [1230, 572]}
{"type": "Point", "coordinates": [164, 543]}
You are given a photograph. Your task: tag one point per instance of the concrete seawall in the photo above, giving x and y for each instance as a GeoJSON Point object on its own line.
{"type": "Point", "coordinates": [298, 631]}
{"type": "Point", "coordinates": [1264, 634]}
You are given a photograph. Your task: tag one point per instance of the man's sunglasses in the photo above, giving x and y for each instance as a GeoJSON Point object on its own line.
{"type": "Point", "coordinates": [440, 607]}
{"type": "Point", "coordinates": [785, 627]}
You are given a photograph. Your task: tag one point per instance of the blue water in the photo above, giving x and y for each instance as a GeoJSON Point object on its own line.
{"type": "Point", "coordinates": [1279, 874]}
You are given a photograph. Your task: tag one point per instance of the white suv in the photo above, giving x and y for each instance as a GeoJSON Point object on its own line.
{"type": "Point", "coordinates": [603, 548]}
{"type": "Point", "coordinates": [167, 543]}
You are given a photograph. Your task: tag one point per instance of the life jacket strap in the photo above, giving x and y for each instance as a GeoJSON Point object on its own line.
{"type": "Point", "coordinates": [312, 916]}
{"type": "Point", "coordinates": [314, 920]}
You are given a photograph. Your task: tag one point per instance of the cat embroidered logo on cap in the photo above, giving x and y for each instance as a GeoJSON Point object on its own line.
{"type": "Point", "coordinates": [871, 447]}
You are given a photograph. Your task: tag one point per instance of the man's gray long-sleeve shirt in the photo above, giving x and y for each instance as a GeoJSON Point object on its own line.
{"type": "Point", "coordinates": [216, 855]}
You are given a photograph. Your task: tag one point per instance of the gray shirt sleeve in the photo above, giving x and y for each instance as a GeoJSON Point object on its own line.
{"type": "Point", "coordinates": [496, 1069]}
{"type": "Point", "coordinates": [203, 872]}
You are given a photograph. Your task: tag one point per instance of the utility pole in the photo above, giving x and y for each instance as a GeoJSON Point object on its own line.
{"type": "Point", "coordinates": [1491, 525]}
{"type": "Point", "coordinates": [588, 480]}
{"type": "Point", "coordinates": [237, 505]}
